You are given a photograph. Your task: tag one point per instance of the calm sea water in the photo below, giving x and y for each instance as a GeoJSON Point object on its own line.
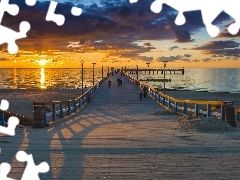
{"type": "Point", "coordinates": [47, 78]}
{"type": "Point", "coordinates": [197, 79]}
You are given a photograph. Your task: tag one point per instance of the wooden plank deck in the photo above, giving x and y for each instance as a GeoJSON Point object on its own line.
{"type": "Point", "coordinates": [116, 137]}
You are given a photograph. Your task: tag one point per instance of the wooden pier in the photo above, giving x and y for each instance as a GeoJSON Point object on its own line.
{"type": "Point", "coordinates": [118, 136]}
{"type": "Point", "coordinates": [153, 71]}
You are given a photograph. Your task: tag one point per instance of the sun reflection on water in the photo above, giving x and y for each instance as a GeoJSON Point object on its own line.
{"type": "Point", "coordinates": [42, 79]}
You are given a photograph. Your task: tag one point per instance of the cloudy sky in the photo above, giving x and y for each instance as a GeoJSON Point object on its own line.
{"type": "Point", "coordinates": [117, 33]}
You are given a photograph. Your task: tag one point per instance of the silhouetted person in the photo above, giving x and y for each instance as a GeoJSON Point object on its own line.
{"type": "Point", "coordinates": [120, 82]}
{"type": "Point", "coordinates": [141, 94]}
{"type": "Point", "coordinates": [144, 91]}
{"type": "Point", "coordinates": [109, 83]}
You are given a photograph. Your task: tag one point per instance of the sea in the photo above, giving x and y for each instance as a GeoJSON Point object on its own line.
{"type": "Point", "coordinates": [194, 79]}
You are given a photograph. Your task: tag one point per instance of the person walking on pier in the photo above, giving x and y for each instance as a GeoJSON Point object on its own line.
{"type": "Point", "coordinates": [141, 94]}
{"type": "Point", "coordinates": [120, 82]}
{"type": "Point", "coordinates": [109, 83]}
{"type": "Point", "coordinates": [144, 91]}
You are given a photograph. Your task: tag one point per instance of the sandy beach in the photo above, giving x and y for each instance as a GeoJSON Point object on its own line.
{"type": "Point", "coordinates": [21, 100]}
{"type": "Point", "coordinates": [215, 96]}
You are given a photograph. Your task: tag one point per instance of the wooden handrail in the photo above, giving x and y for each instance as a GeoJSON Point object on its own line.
{"type": "Point", "coordinates": [169, 101]}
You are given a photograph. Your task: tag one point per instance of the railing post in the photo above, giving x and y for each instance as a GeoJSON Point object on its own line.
{"type": "Point", "coordinates": [176, 107]}
{"type": "Point", "coordinates": [208, 110]}
{"type": "Point", "coordinates": [53, 112]}
{"type": "Point", "coordinates": [222, 112]}
{"type": "Point", "coordinates": [2, 119]}
{"type": "Point", "coordinates": [169, 103]}
{"type": "Point", "coordinates": [75, 106]}
{"type": "Point", "coordinates": [69, 108]}
{"type": "Point", "coordinates": [184, 108]}
{"type": "Point", "coordinates": [196, 110]}
{"type": "Point", "coordinates": [163, 101]}
{"type": "Point", "coordinates": [79, 103]}
{"type": "Point", "coordinates": [238, 116]}
{"type": "Point", "coordinates": [44, 115]}
{"type": "Point", "coordinates": [84, 100]}
{"type": "Point", "coordinates": [61, 110]}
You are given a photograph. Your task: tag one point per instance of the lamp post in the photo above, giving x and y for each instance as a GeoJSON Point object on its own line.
{"type": "Point", "coordinates": [93, 72]}
{"type": "Point", "coordinates": [108, 71]}
{"type": "Point", "coordinates": [148, 64]}
{"type": "Point", "coordinates": [164, 65]}
{"type": "Point", "coordinates": [102, 72]}
{"type": "Point", "coordinates": [82, 78]}
{"type": "Point", "coordinates": [137, 72]}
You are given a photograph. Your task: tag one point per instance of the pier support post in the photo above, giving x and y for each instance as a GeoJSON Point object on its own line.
{"type": "Point", "coordinates": [176, 107]}
{"type": "Point", "coordinates": [208, 110]}
{"type": "Point", "coordinates": [53, 112]}
{"type": "Point", "coordinates": [169, 103]}
{"type": "Point", "coordinates": [69, 108]}
{"type": "Point", "coordinates": [61, 110]}
{"type": "Point", "coordinates": [196, 110]}
{"type": "Point", "coordinates": [184, 108]}
{"type": "Point", "coordinates": [75, 106]}
{"type": "Point", "coordinates": [222, 112]}
{"type": "Point", "coordinates": [79, 103]}
{"type": "Point", "coordinates": [44, 115]}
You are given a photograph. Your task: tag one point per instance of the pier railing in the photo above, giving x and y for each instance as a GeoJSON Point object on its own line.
{"type": "Point", "coordinates": [191, 107]}
{"type": "Point", "coordinates": [56, 110]}
{"type": "Point", "coordinates": [49, 112]}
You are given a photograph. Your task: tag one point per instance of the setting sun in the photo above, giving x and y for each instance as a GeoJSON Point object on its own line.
{"type": "Point", "coordinates": [42, 62]}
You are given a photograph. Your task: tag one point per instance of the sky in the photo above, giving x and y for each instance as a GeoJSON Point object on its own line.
{"type": "Point", "coordinates": [117, 33]}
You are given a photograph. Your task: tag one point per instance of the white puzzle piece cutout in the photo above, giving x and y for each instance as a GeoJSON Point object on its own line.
{"type": "Point", "coordinates": [59, 19]}
{"type": "Point", "coordinates": [4, 105]}
{"type": "Point", "coordinates": [209, 10]}
{"type": "Point", "coordinates": [31, 171]}
{"type": "Point", "coordinates": [7, 35]}
{"type": "Point", "coordinates": [4, 170]}
{"type": "Point", "coordinates": [12, 124]}
{"type": "Point", "coordinates": [76, 11]}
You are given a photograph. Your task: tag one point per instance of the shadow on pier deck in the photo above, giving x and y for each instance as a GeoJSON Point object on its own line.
{"type": "Point", "coordinates": [116, 137]}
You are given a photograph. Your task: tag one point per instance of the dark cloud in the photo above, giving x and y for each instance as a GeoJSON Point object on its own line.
{"type": "Point", "coordinates": [185, 57]}
{"type": "Point", "coordinates": [170, 58]}
{"type": "Point", "coordinates": [147, 44]}
{"type": "Point", "coordinates": [206, 59]}
{"type": "Point", "coordinates": [221, 48]}
{"type": "Point", "coordinates": [4, 59]}
{"type": "Point", "coordinates": [182, 35]}
{"type": "Point", "coordinates": [218, 45]}
{"type": "Point", "coordinates": [112, 26]}
{"type": "Point", "coordinates": [173, 47]}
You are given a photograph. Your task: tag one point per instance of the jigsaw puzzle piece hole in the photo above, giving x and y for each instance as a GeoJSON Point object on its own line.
{"type": "Point", "coordinates": [156, 6]}
{"type": "Point", "coordinates": [76, 11]}
{"type": "Point", "coordinates": [13, 9]}
{"type": "Point", "coordinates": [180, 19]}
{"type": "Point", "coordinates": [24, 27]}
{"type": "Point", "coordinates": [4, 105]}
{"type": "Point", "coordinates": [133, 1]}
{"type": "Point", "coordinates": [233, 28]}
{"type": "Point", "coordinates": [30, 2]}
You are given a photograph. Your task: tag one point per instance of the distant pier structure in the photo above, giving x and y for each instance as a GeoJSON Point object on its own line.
{"type": "Point", "coordinates": [155, 71]}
